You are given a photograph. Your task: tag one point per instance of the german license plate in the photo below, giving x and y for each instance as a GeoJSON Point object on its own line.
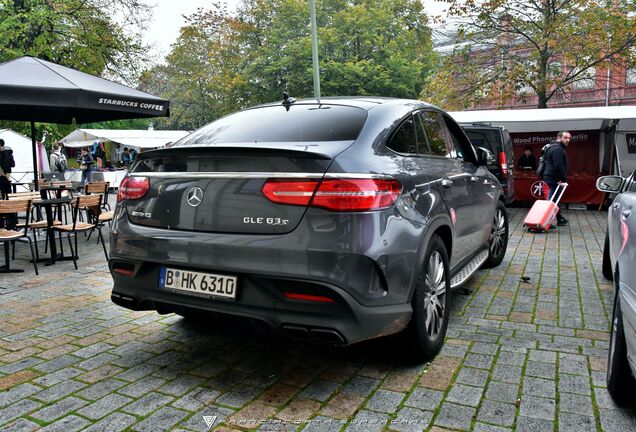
{"type": "Point", "coordinates": [198, 283]}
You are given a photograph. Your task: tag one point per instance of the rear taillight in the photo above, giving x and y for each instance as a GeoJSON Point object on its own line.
{"type": "Point", "coordinates": [335, 194]}
{"type": "Point", "coordinates": [357, 195]}
{"type": "Point", "coordinates": [291, 192]}
{"type": "Point", "coordinates": [504, 164]}
{"type": "Point", "coordinates": [133, 188]}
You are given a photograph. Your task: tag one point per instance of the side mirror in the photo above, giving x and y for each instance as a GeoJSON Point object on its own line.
{"type": "Point", "coordinates": [611, 184]}
{"type": "Point", "coordinates": [485, 156]}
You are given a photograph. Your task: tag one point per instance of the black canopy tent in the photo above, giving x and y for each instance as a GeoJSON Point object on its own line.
{"type": "Point", "coordinates": [36, 90]}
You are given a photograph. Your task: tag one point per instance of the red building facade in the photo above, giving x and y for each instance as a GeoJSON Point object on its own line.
{"type": "Point", "coordinates": [601, 87]}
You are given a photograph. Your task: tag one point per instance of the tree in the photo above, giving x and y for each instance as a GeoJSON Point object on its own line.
{"type": "Point", "coordinates": [94, 36]}
{"type": "Point", "coordinates": [100, 37]}
{"type": "Point", "coordinates": [378, 47]}
{"type": "Point", "coordinates": [532, 47]}
{"type": "Point", "coordinates": [366, 47]}
{"type": "Point", "coordinates": [222, 63]}
{"type": "Point", "coordinates": [201, 74]}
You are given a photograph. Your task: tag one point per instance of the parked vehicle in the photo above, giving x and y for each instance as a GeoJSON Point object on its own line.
{"type": "Point", "coordinates": [619, 264]}
{"type": "Point", "coordinates": [334, 221]}
{"type": "Point", "coordinates": [497, 140]}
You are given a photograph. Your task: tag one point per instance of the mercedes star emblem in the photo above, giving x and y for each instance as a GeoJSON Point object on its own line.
{"type": "Point", "coordinates": [195, 196]}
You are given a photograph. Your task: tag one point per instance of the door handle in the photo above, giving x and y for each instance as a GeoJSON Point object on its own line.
{"type": "Point", "coordinates": [616, 205]}
{"type": "Point", "coordinates": [474, 179]}
{"type": "Point", "coordinates": [447, 183]}
{"type": "Point", "coordinates": [626, 213]}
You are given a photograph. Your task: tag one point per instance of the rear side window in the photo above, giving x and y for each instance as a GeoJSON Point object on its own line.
{"type": "Point", "coordinates": [403, 140]}
{"type": "Point", "coordinates": [438, 139]}
{"type": "Point", "coordinates": [490, 139]}
{"type": "Point", "coordinates": [422, 140]}
{"type": "Point", "coordinates": [301, 123]}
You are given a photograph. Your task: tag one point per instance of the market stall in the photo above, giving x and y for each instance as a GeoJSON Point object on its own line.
{"type": "Point", "coordinates": [599, 144]}
{"type": "Point", "coordinates": [113, 177]}
{"type": "Point", "coordinates": [113, 142]}
{"type": "Point", "coordinates": [136, 138]}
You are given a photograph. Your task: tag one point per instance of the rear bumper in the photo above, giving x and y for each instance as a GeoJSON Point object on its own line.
{"type": "Point", "coordinates": [363, 262]}
{"type": "Point", "coordinates": [342, 321]}
{"type": "Point", "coordinates": [371, 256]}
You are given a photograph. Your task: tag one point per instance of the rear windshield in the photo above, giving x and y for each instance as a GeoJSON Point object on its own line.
{"type": "Point", "coordinates": [301, 123]}
{"type": "Point", "coordinates": [490, 139]}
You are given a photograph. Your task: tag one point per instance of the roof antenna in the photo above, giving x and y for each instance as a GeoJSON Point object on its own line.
{"type": "Point", "coordinates": [287, 100]}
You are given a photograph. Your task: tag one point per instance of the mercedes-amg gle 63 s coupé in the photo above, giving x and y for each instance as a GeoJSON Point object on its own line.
{"type": "Point", "coordinates": [336, 221]}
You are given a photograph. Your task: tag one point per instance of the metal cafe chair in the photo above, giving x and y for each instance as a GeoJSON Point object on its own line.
{"type": "Point", "coordinates": [106, 215]}
{"type": "Point", "coordinates": [66, 190]}
{"type": "Point", "coordinates": [33, 224]}
{"type": "Point", "coordinates": [98, 187]}
{"type": "Point", "coordinates": [41, 183]}
{"type": "Point", "coordinates": [92, 205]}
{"type": "Point", "coordinates": [8, 234]}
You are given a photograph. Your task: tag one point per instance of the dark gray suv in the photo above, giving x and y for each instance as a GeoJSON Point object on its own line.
{"type": "Point", "coordinates": [337, 221]}
{"type": "Point", "coordinates": [497, 140]}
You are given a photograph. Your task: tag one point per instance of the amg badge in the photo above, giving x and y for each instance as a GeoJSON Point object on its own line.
{"type": "Point", "coordinates": [142, 215]}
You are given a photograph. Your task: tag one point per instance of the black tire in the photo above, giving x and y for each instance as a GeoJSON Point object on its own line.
{"type": "Point", "coordinates": [498, 242]}
{"type": "Point", "coordinates": [427, 340]}
{"type": "Point", "coordinates": [619, 376]}
{"type": "Point", "coordinates": [607, 262]}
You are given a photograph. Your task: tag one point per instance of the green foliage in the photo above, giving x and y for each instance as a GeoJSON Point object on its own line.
{"type": "Point", "coordinates": [200, 76]}
{"type": "Point", "coordinates": [222, 63]}
{"type": "Point", "coordinates": [531, 47]}
{"type": "Point", "coordinates": [81, 34]}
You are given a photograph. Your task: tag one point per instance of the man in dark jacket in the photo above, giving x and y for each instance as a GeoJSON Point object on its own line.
{"type": "Point", "coordinates": [6, 163]}
{"type": "Point", "coordinates": [527, 161]}
{"type": "Point", "coordinates": [556, 167]}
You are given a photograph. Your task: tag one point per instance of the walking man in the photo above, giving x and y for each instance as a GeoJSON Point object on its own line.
{"type": "Point", "coordinates": [85, 161]}
{"type": "Point", "coordinates": [556, 168]}
{"type": "Point", "coordinates": [57, 160]}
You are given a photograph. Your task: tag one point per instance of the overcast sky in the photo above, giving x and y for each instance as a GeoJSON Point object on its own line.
{"type": "Point", "coordinates": [168, 18]}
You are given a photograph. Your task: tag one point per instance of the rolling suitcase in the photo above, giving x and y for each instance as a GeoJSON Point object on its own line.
{"type": "Point", "coordinates": [543, 212]}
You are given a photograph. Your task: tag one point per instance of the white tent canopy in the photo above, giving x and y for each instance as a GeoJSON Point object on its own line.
{"type": "Point", "coordinates": [572, 119]}
{"type": "Point", "coordinates": [23, 156]}
{"type": "Point", "coordinates": [537, 120]}
{"type": "Point", "coordinates": [133, 138]}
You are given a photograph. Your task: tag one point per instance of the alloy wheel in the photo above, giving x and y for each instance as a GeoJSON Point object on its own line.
{"type": "Point", "coordinates": [435, 298]}
{"type": "Point", "coordinates": [612, 347]}
{"type": "Point", "coordinates": [497, 234]}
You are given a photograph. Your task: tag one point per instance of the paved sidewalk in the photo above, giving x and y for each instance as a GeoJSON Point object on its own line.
{"type": "Point", "coordinates": [525, 356]}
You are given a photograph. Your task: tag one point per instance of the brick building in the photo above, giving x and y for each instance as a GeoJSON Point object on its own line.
{"type": "Point", "coordinates": [599, 88]}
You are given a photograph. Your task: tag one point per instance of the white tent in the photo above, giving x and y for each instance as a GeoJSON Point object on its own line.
{"type": "Point", "coordinates": [615, 124]}
{"type": "Point", "coordinates": [132, 138]}
{"type": "Point", "coordinates": [536, 120]}
{"type": "Point", "coordinates": [23, 156]}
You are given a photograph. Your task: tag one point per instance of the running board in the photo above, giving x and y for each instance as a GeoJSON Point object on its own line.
{"type": "Point", "coordinates": [469, 269]}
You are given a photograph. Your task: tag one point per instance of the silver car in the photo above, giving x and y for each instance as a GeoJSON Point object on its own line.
{"type": "Point", "coordinates": [619, 265]}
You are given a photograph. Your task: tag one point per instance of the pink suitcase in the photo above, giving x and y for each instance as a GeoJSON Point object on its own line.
{"type": "Point", "coordinates": [543, 212]}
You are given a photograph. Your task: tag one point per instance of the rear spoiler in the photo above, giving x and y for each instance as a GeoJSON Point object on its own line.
{"type": "Point", "coordinates": [325, 150]}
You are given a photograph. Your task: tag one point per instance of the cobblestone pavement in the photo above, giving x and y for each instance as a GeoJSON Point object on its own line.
{"type": "Point", "coordinates": [525, 356]}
